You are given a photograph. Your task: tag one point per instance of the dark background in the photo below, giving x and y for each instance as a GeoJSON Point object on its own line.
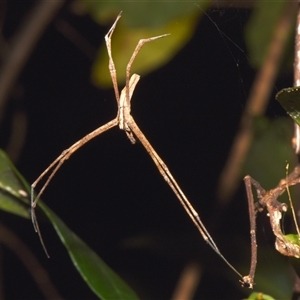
{"type": "Point", "coordinates": [110, 192]}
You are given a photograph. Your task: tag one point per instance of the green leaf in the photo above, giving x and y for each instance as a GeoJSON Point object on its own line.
{"type": "Point", "coordinates": [99, 277]}
{"type": "Point", "coordinates": [152, 55]}
{"type": "Point", "coordinates": [13, 196]}
{"type": "Point", "coordinates": [270, 152]}
{"type": "Point", "coordinates": [260, 296]}
{"type": "Point", "coordinates": [141, 20]}
{"type": "Point", "coordinates": [289, 98]}
{"type": "Point", "coordinates": [293, 238]}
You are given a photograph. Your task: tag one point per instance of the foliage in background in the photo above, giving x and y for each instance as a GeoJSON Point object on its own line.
{"type": "Point", "coordinates": [260, 28]}
{"type": "Point", "coordinates": [181, 21]}
{"type": "Point", "coordinates": [268, 155]}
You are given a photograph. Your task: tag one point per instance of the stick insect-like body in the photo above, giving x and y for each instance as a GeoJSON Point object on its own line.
{"type": "Point", "coordinates": [268, 200]}
{"type": "Point", "coordinates": [127, 123]}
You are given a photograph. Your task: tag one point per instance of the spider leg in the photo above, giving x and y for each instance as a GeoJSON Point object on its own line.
{"type": "Point", "coordinates": [111, 64]}
{"type": "Point", "coordinates": [137, 49]}
{"type": "Point", "coordinates": [56, 164]}
{"type": "Point", "coordinates": [125, 104]}
{"type": "Point", "coordinates": [127, 123]}
{"type": "Point", "coordinates": [168, 177]}
{"type": "Point", "coordinates": [275, 209]}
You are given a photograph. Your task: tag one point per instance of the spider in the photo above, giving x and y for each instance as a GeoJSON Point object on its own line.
{"type": "Point", "coordinates": [127, 123]}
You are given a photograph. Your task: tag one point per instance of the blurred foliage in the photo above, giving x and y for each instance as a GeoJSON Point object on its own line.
{"type": "Point", "coordinates": [260, 296]}
{"type": "Point", "coordinates": [143, 14]}
{"type": "Point", "coordinates": [13, 197]}
{"type": "Point", "coordinates": [153, 54]}
{"type": "Point", "coordinates": [270, 152]}
{"type": "Point", "coordinates": [147, 19]}
{"type": "Point", "coordinates": [138, 22]}
{"type": "Point", "coordinates": [272, 278]}
{"type": "Point", "coordinates": [260, 29]}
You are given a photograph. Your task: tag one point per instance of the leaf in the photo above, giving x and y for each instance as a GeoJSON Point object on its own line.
{"type": "Point", "coordinates": [260, 296]}
{"type": "Point", "coordinates": [260, 29]}
{"type": "Point", "coordinates": [152, 55]}
{"type": "Point", "coordinates": [270, 152]}
{"type": "Point", "coordinates": [289, 98]}
{"type": "Point", "coordinates": [140, 20]}
{"type": "Point", "coordinates": [293, 238]}
{"type": "Point", "coordinates": [101, 279]}
{"type": "Point", "coordinates": [13, 196]}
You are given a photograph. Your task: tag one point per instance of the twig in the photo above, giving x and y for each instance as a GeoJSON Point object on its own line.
{"type": "Point", "coordinates": [256, 105]}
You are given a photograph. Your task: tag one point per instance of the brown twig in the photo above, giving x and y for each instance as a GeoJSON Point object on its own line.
{"type": "Point", "coordinates": [23, 44]}
{"type": "Point", "coordinates": [39, 274]}
{"type": "Point", "coordinates": [256, 105]}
